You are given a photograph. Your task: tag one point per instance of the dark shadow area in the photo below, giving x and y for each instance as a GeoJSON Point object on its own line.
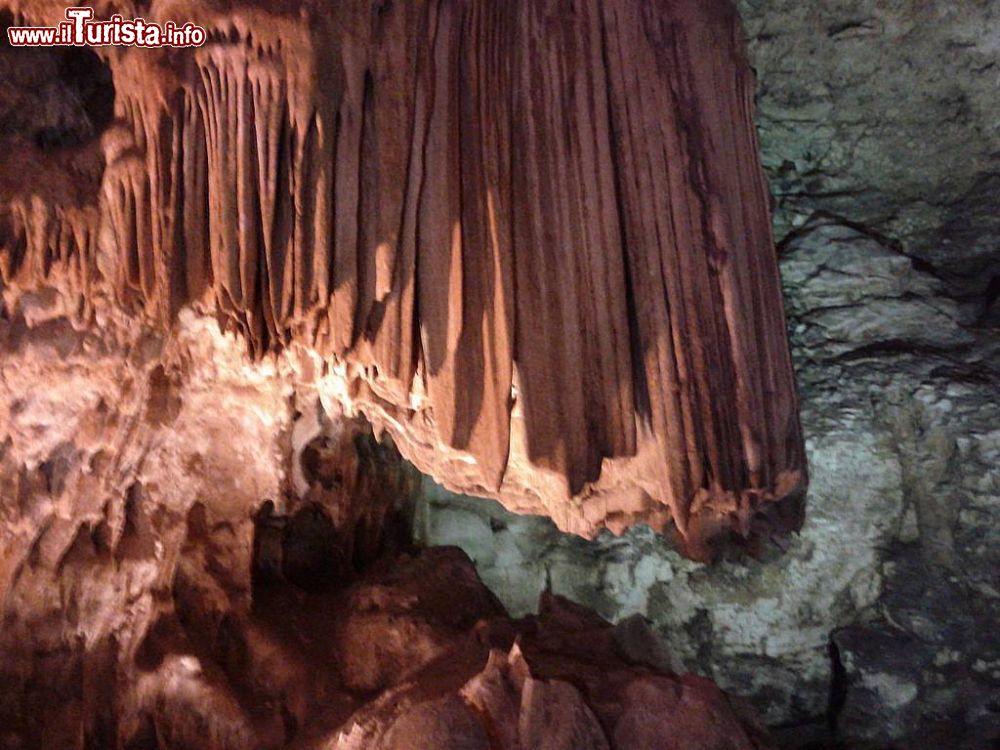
{"type": "Point", "coordinates": [311, 554]}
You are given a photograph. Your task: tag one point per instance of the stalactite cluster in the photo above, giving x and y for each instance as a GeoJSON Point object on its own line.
{"type": "Point", "coordinates": [534, 233]}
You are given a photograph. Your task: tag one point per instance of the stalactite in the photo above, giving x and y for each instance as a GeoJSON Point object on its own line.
{"type": "Point", "coordinates": [539, 228]}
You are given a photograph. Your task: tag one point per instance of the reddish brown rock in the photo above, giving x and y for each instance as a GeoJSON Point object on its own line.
{"type": "Point", "coordinates": [554, 682]}
{"type": "Point", "coordinates": [529, 239]}
{"type": "Point", "coordinates": [225, 573]}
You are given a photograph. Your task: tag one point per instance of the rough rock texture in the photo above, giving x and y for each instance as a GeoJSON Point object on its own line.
{"type": "Point", "coordinates": [565, 680]}
{"type": "Point", "coordinates": [880, 617]}
{"type": "Point", "coordinates": [213, 261]}
{"type": "Point", "coordinates": [194, 555]}
{"type": "Point", "coordinates": [532, 236]}
{"type": "Point", "coordinates": [883, 113]}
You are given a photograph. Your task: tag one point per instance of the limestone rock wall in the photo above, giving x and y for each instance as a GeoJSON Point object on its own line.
{"type": "Point", "coordinates": [875, 625]}
{"type": "Point", "coordinates": [883, 113]}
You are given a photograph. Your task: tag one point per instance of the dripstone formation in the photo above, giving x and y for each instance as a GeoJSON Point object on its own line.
{"type": "Point", "coordinates": [530, 240]}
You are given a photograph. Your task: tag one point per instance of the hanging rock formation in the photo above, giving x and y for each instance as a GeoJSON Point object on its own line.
{"type": "Point", "coordinates": [528, 239]}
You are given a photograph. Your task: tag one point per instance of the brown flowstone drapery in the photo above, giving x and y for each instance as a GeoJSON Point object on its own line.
{"type": "Point", "coordinates": [538, 231]}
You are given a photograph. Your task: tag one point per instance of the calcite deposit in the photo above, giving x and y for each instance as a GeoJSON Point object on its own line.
{"type": "Point", "coordinates": [531, 239]}
{"type": "Point", "coordinates": [524, 245]}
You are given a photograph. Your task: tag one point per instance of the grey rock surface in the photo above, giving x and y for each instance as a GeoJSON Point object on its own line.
{"type": "Point", "coordinates": [883, 112]}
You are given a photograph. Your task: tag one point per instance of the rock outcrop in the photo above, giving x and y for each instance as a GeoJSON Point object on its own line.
{"type": "Point", "coordinates": [193, 554]}
{"type": "Point", "coordinates": [532, 238]}
{"type": "Point", "coordinates": [176, 518]}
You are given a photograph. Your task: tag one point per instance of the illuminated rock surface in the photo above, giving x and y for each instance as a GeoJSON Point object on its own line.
{"type": "Point", "coordinates": [527, 241]}
{"type": "Point", "coordinates": [195, 555]}
{"type": "Point", "coordinates": [532, 238]}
